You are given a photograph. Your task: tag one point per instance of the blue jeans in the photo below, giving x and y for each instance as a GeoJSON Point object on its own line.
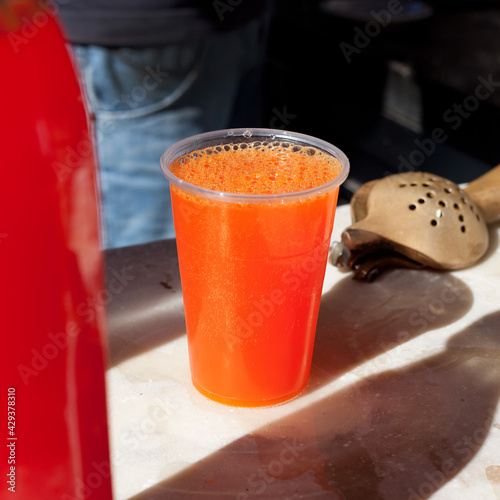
{"type": "Point", "coordinates": [144, 100]}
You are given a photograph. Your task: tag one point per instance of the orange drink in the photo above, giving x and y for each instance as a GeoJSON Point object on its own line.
{"type": "Point", "coordinates": [253, 213]}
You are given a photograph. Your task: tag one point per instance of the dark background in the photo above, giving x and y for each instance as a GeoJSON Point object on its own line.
{"type": "Point", "coordinates": [399, 83]}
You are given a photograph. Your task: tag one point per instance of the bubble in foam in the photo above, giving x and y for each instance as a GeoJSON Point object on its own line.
{"type": "Point", "coordinates": [265, 167]}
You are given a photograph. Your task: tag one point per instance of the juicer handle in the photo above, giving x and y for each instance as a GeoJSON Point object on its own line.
{"type": "Point", "coordinates": [485, 191]}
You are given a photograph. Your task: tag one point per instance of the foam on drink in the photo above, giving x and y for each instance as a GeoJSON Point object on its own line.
{"type": "Point", "coordinates": [259, 167]}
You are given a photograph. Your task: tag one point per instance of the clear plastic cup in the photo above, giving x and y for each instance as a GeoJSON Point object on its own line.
{"type": "Point", "coordinates": [252, 268]}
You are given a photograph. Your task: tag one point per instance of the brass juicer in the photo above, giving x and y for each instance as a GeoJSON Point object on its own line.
{"type": "Point", "coordinates": [417, 220]}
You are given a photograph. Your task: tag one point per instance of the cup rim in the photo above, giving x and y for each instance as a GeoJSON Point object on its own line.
{"type": "Point", "coordinates": [225, 136]}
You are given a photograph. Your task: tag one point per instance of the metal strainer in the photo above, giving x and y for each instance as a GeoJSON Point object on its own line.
{"type": "Point", "coordinates": [418, 219]}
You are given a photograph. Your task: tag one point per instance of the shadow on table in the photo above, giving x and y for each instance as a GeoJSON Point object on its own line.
{"type": "Point", "coordinates": [359, 321]}
{"type": "Point", "coordinates": [402, 433]}
{"type": "Point", "coordinates": [143, 298]}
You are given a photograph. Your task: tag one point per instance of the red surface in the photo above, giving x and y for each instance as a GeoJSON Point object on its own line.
{"type": "Point", "coordinates": [252, 277]}
{"type": "Point", "coordinates": [52, 356]}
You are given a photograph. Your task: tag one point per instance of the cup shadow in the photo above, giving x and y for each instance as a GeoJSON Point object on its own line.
{"type": "Point", "coordinates": [359, 321]}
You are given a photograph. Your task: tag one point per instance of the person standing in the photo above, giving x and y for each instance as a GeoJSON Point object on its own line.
{"type": "Point", "coordinates": [155, 72]}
